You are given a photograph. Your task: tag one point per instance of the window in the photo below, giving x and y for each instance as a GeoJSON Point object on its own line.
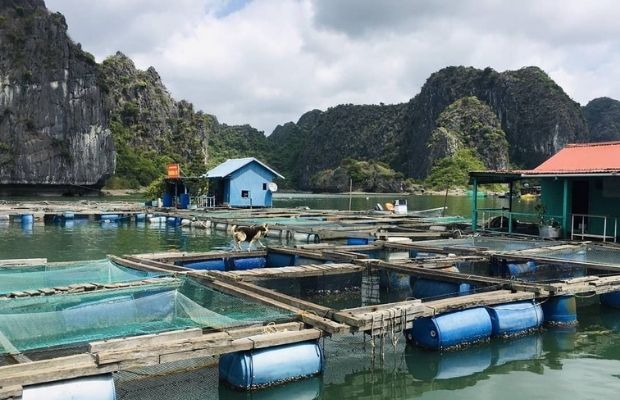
{"type": "Point", "coordinates": [264, 186]}
{"type": "Point", "coordinates": [245, 194]}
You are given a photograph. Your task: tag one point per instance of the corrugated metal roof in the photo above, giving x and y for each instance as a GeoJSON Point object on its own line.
{"type": "Point", "coordinates": [234, 164]}
{"type": "Point", "coordinates": [589, 158]}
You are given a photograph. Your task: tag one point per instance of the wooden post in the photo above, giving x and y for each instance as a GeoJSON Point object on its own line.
{"type": "Point", "coordinates": [474, 206]}
{"type": "Point", "coordinates": [350, 192]}
{"type": "Point", "coordinates": [565, 210]}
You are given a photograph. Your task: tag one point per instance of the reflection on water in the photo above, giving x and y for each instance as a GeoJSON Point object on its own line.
{"type": "Point", "coordinates": [84, 240]}
{"type": "Point", "coordinates": [457, 205]}
{"type": "Point", "coordinates": [482, 371]}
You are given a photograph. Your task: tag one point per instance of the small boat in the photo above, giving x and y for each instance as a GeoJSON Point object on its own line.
{"type": "Point", "coordinates": [429, 213]}
{"type": "Point", "coordinates": [529, 196]}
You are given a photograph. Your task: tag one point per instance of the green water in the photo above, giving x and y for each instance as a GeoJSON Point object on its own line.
{"type": "Point", "coordinates": [82, 240]}
{"type": "Point", "coordinates": [583, 363]}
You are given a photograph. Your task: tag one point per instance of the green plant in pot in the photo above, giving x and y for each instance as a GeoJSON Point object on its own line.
{"type": "Point", "coordinates": [547, 227]}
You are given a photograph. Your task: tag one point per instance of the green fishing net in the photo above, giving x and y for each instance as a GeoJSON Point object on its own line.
{"type": "Point", "coordinates": [47, 321]}
{"type": "Point", "coordinates": [64, 274]}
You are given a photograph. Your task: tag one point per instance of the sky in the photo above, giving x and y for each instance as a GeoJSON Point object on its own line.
{"type": "Point", "coordinates": [266, 62]}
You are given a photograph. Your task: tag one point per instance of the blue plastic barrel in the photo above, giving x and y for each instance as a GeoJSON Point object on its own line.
{"type": "Point", "coordinates": [451, 329]}
{"type": "Point", "coordinates": [167, 200]}
{"type": "Point", "coordinates": [560, 310]}
{"type": "Point", "coordinates": [512, 270]}
{"type": "Point", "coordinates": [529, 347]}
{"type": "Point", "coordinates": [216, 264]}
{"type": "Point", "coordinates": [184, 200]}
{"type": "Point", "coordinates": [110, 217]}
{"type": "Point", "coordinates": [395, 280]}
{"type": "Point", "coordinates": [611, 299]}
{"type": "Point", "coordinates": [428, 365]}
{"type": "Point", "coordinates": [140, 217]}
{"type": "Point", "coordinates": [308, 261]}
{"type": "Point", "coordinates": [515, 318]}
{"type": "Point", "coordinates": [264, 367]}
{"type": "Point", "coordinates": [249, 263]}
{"type": "Point", "coordinates": [27, 219]}
{"type": "Point", "coordinates": [354, 241]}
{"type": "Point", "coordinates": [173, 221]}
{"type": "Point", "coordinates": [306, 389]}
{"type": "Point", "coordinates": [429, 288]}
{"type": "Point", "coordinates": [276, 259]}
{"type": "Point", "coordinates": [100, 387]}
{"type": "Point", "coordinates": [68, 215]}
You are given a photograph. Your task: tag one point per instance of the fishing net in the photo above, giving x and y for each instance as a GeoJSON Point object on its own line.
{"type": "Point", "coordinates": [42, 322]}
{"type": "Point", "coordinates": [64, 274]}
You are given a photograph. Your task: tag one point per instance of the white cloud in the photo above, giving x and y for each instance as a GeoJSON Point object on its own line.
{"type": "Point", "coordinates": [266, 62]}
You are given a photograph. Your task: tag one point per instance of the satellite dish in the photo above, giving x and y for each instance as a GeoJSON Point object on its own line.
{"type": "Point", "coordinates": [273, 186]}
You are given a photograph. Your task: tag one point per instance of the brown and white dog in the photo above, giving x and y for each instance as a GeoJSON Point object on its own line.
{"type": "Point", "coordinates": [249, 234]}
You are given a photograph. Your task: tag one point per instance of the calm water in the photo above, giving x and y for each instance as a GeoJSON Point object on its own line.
{"type": "Point", "coordinates": [583, 363]}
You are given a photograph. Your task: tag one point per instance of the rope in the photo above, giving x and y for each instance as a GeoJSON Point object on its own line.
{"type": "Point", "coordinates": [270, 328]}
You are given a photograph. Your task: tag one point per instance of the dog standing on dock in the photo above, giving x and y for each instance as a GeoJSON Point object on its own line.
{"type": "Point", "coordinates": [249, 234]}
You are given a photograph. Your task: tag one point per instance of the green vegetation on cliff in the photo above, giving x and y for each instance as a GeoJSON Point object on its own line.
{"type": "Point", "coordinates": [452, 171]}
{"type": "Point", "coordinates": [322, 140]}
{"type": "Point", "coordinates": [470, 123]}
{"type": "Point", "coordinates": [151, 129]}
{"type": "Point", "coordinates": [365, 176]}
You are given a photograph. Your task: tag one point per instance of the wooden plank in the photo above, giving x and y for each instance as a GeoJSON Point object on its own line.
{"type": "Point", "coordinates": [157, 264]}
{"type": "Point", "coordinates": [11, 392]}
{"type": "Point", "coordinates": [144, 340]}
{"type": "Point", "coordinates": [290, 272]}
{"type": "Point", "coordinates": [51, 370]}
{"type": "Point", "coordinates": [136, 265]}
{"type": "Point", "coordinates": [12, 350]}
{"type": "Point", "coordinates": [210, 344]}
{"type": "Point", "coordinates": [249, 343]}
{"type": "Point", "coordinates": [194, 256]}
{"type": "Point", "coordinates": [22, 262]}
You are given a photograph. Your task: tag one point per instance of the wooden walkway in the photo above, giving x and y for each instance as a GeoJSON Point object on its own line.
{"type": "Point", "coordinates": [309, 320]}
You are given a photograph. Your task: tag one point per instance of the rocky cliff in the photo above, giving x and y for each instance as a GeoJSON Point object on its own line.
{"type": "Point", "coordinates": [603, 116]}
{"type": "Point", "coordinates": [149, 127]}
{"type": "Point", "coordinates": [321, 140]}
{"type": "Point", "coordinates": [53, 125]}
{"type": "Point", "coordinates": [522, 117]}
{"type": "Point", "coordinates": [534, 112]}
{"type": "Point", "coordinates": [469, 123]}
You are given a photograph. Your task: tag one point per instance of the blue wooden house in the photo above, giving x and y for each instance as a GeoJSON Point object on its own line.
{"type": "Point", "coordinates": [242, 182]}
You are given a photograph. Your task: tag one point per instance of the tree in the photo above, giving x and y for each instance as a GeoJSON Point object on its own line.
{"type": "Point", "coordinates": [453, 172]}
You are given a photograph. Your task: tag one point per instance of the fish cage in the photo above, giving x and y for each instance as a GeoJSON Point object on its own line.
{"type": "Point", "coordinates": [53, 275]}
{"type": "Point", "coordinates": [74, 318]}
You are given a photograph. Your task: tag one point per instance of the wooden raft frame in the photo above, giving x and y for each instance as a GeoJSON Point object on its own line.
{"type": "Point", "coordinates": [147, 350]}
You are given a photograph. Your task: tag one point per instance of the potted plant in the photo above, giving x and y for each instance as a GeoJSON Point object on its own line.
{"type": "Point", "coordinates": [547, 227]}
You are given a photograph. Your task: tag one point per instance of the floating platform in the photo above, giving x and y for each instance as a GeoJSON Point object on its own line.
{"type": "Point", "coordinates": [173, 306]}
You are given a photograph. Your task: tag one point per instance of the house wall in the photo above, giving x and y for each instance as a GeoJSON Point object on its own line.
{"type": "Point", "coordinates": [552, 196]}
{"type": "Point", "coordinates": [252, 178]}
{"type": "Point", "coordinates": [603, 199]}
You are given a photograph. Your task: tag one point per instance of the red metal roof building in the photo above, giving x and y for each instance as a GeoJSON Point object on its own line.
{"type": "Point", "coordinates": [580, 188]}
{"type": "Point", "coordinates": [589, 158]}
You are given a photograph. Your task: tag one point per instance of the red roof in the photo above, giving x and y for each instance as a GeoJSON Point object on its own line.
{"type": "Point", "coordinates": [584, 158]}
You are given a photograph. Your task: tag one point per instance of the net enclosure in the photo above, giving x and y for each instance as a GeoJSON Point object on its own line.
{"type": "Point", "coordinates": [52, 275]}
{"type": "Point", "coordinates": [67, 319]}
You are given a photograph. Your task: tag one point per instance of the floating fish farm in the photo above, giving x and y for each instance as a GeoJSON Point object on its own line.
{"type": "Point", "coordinates": [260, 313]}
